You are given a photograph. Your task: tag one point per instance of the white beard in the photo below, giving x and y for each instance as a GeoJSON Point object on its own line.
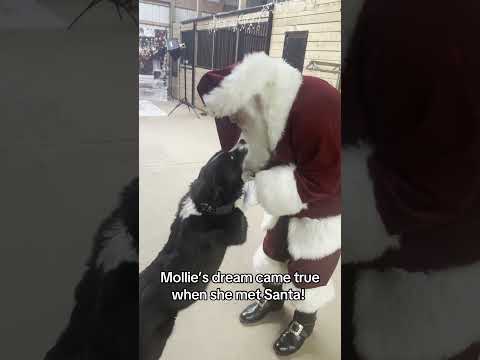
{"type": "Point", "coordinates": [255, 133]}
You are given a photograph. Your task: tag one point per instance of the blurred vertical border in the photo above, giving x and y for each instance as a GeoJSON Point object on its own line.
{"type": "Point", "coordinates": [68, 150]}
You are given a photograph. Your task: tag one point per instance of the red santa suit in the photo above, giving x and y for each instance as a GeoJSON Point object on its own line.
{"type": "Point", "coordinates": [295, 153]}
{"type": "Point", "coordinates": [411, 183]}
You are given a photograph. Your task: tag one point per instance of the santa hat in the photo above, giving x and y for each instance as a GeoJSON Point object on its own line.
{"type": "Point", "coordinates": [228, 133]}
{"type": "Point", "coordinates": [211, 80]}
{"type": "Point", "coordinates": [228, 90]}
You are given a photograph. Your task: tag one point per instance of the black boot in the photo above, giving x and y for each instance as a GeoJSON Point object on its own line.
{"type": "Point", "coordinates": [259, 309]}
{"type": "Point", "coordinates": [292, 339]}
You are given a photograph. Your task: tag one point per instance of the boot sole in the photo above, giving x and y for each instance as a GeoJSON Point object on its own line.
{"type": "Point", "coordinates": [285, 355]}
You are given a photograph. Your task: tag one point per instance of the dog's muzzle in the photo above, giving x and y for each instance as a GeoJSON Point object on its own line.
{"type": "Point", "coordinates": [241, 146]}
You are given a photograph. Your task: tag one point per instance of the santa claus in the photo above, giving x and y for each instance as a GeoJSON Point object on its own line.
{"type": "Point", "coordinates": [292, 125]}
{"type": "Point", "coordinates": [411, 182]}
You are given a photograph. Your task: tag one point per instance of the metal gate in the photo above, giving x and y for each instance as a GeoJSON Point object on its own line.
{"type": "Point", "coordinates": [225, 46]}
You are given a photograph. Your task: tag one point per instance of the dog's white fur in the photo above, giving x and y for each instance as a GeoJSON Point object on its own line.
{"type": "Point", "coordinates": [188, 209]}
{"type": "Point", "coordinates": [116, 249]}
{"type": "Point", "coordinates": [402, 315]}
{"type": "Point", "coordinates": [364, 235]}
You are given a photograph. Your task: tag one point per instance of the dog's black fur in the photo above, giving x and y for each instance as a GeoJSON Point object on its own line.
{"type": "Point", "coordinates": [104, 322]}
{"type": "Point", "coordinates": [196, 243]}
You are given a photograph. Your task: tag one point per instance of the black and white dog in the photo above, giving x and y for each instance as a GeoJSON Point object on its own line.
{"type": "Point", "coordinates": [206, 223]}
{"type": "Point", "coordinates": [104, 322]}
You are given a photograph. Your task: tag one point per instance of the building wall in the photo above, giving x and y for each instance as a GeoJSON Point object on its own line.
{"type": "Point", "coordinates": [208, 6]}
{"type": "Point", "coordinates": [187, 14]}
{"type": "Point", "coordinates": [154, 14]}
{"type": "Point", "coordinates": [323, 23]}
{"type": "Point", "coordinates": [158, 14]}
{"type": "Point", "coordinates": [205, 5]}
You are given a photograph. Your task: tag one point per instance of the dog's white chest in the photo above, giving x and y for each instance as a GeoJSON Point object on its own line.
{"type": "Point", "coordinates": [188, 209]}
{"type": "Point", "coordinates": [117, 249]}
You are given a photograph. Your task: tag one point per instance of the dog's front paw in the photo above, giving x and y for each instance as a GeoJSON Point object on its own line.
{"type": "Point", "coordinates": [237, 228]}
{"type": "Point", "coordinates": [242, 233]}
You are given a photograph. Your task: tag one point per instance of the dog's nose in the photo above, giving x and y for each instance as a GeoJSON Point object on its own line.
{"type": "Point", "coordinates": [242, 146]}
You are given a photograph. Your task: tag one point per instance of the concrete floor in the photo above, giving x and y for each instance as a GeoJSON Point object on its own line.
{"type": "Point", "coordinates": [172, 150]}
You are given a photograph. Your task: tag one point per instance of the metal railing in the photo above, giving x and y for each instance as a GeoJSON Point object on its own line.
{"type": "Point", "coordinates": [224, 46]}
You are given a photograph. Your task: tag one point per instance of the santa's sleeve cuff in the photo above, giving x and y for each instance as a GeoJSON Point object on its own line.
{"type": "Point", "coordinates": [277, 191]}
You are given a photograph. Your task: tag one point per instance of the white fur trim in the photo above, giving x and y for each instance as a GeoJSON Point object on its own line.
{"type": "Point", "coordinates": [314, 238]}
{"type": "Point", "coordinates": [257, 157]}
{"type": "Point", "coordinates": [262, 264]}
{"type": "Point", "coordinates": [417, 316]}
{"type": "Point", "coordinates": [188, 209]}
{"type": "Point", "coordinates": [275, 83]}
{"type": "Point", "coordinates": [315, 298]}
{"type": "Point", "coordinates": [364, 236]}
{"type": "Point", "coordinates": [250, 193]}
{"type": "Point", "coordinates": [117, 248]}
{"type": "Point", "coordinates": [277, 191]}
{"type": "Point", "coordinates": [269, 221]}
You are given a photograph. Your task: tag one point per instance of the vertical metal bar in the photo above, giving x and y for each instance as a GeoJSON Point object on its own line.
{"type": "Point", "coordinates": [194, 64]}
{"type": "Point", "coordinates": [285, 46]}
{"type": "Point", "coordinates": [213, 48]}
{"type": "Point", "coordinates": [269, 29]}
{"type": "Point", "coordinates": [239, 43]}
{"type": "Point", "coordinates": [170, 62]}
